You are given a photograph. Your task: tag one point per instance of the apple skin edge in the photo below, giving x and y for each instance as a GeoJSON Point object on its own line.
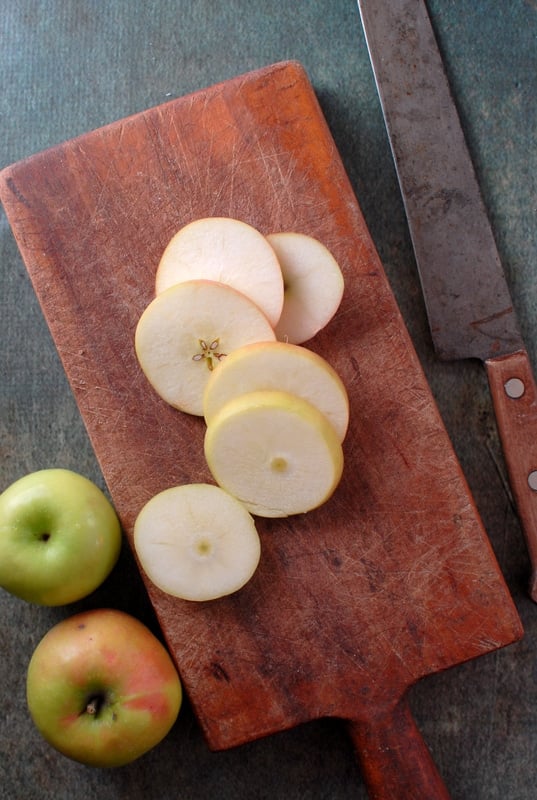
{"type": "Point", "coordinates": [102, 689]}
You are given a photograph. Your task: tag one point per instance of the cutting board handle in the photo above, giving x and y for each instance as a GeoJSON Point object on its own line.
{"type": "Point", "coordinates": [395, 761]}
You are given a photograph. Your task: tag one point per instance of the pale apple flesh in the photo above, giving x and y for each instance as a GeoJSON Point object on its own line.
{"type": "Point", "coordinates": [228, 251]}
{"type": "Point", "coordinates": [102, 689]}
{"type": "Point", "coordinates": [313, 285]}
{"type": "Point", "coordinates": [196, 542]}
{"type": "Point", "coordinates": [279, 366]}
{"type": "Point", "coordinates": [186, 331]}
{"type": "Point", "coordinates": [275, 452]}
{"type": "Point", "coordinates": [59, 537]}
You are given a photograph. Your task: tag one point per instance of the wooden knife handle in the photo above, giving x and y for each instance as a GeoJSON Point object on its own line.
{"type": "Point", "coordinates": [395, 761]}
{"type": "Point", "coordinates": [514, 396]}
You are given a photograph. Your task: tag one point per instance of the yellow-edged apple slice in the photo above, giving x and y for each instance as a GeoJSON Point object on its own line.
{"type": "Point", "coordinates": [313, 285]}
{"type": "Point", "coordinates": [196, 542]}
{"type": "Point", "coordinates": [186, 331]}
{"type": "Point", "coordinates": [228, 251]}
{"type": "Point", "coordinates": [274, 452]}
{"type": "Point", "coordinates": [279, 366]}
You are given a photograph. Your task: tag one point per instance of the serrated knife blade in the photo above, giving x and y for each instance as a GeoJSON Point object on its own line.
{"type": "Point", "coordinates": [468, 303]}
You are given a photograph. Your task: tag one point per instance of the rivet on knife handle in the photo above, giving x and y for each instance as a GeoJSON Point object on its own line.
{"type": "Point", "coordinates": [514, 395]}
{"type": "Point", "coordinates": [469, 307]}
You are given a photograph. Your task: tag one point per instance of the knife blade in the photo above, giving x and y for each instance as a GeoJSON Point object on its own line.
{"type": "Point", "coordinates": [469, 307]}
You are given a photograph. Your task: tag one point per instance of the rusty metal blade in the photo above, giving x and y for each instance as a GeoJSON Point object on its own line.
{"type": "Point", "coordinates": [468, 302]}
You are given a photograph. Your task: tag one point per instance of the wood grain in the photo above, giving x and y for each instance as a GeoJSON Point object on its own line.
{"type": "Point", "coordinates": [514, 395]}
{"type": "Point", "coordinates": [394, 578]}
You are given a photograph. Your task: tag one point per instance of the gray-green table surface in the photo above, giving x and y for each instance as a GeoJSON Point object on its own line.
{"type": "Point", "coordinates": [69, 66]}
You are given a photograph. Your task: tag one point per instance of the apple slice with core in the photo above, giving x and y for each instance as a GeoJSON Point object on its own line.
{"type": "Point", "coordinates": [196, 542]}
{"type": "Point", "coordinates": [275, 452]}
{"type": "Point", "coordinates": [279, 366]}
{"type": "Point", "coordinates": [102, 689]}
{"type": "Point", "coordinates": [313, 285]}
{"type": "Point", "coordinates": [186, 331]}
{"type": "Point", "coordinates": [228, 251]}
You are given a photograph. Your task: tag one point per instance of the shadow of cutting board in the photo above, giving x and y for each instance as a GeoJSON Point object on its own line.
{"type": "Point", "coordinates": [394, 577]}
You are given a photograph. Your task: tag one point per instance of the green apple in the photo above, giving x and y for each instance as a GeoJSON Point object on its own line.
{"type": "Point", "coordinates": [102, 689]}
{"type": "Point", "coordinates": [313, 284]}
{"type": "Point", "coordinates": [279, 365]}
{"type": "Point", "coordinates": [59, 537]}
{"type": "Point", "coordinates": [228, 251]}
{"type": "Point", "coordinates": [275, 452]}
{"type": "Point", "coordinates": [187, 330]}
{"type": "Point", "coordinates": [197, 542]}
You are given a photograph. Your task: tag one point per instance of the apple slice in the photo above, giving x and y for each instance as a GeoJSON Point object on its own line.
{"type": "Point", "coordinates": [280, 366]}
{"type": "Point", "coordinates": [228, 251]}
{"type": "Point", "coordinates": [313, 285]}
{"type": "Point", "coordinates": [187, 330]}
{"type": "Point", "coordinates": [197, 542]}
{"type": "Point", "coordinates": [275, 452]}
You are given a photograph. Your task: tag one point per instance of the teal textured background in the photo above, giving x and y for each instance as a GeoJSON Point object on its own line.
{"type": "Point", "coordinates": [69, 66]}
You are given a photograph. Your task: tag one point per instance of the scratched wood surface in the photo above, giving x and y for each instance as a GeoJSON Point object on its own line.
{"type": "Point", "coordinates": [394, 577]}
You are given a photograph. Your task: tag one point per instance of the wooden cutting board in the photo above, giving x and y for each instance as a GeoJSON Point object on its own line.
{"type": "Point", "coordinates": [394, 578]}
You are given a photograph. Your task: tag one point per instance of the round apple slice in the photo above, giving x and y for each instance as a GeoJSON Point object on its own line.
{"type": "Point", "coordinates": [313, 285]}
{"type": "Point", "coordinates": [185, 332]}
{"type": "Point", "coordinates": [197, 542]}
{"type": "Point", "coordinates": [228, 251]}
{"type": "Point", "coordinates": [279, 366]}
{"type": "Point", "coordinates": [274, 452]}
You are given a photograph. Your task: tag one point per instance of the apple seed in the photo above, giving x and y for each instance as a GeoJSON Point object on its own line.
{"type": "Point", "coordinates": [208, 353]}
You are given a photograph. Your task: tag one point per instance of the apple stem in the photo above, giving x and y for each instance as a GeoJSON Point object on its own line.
{"type": "Point", "coordinates": [92, 707]}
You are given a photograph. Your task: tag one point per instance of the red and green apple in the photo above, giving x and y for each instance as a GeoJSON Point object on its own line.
{"type": "Point", "coordinates": [102, 689]}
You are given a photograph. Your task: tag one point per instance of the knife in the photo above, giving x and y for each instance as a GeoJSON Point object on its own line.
{"type": "Point", "coordinates": [469, 308]}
